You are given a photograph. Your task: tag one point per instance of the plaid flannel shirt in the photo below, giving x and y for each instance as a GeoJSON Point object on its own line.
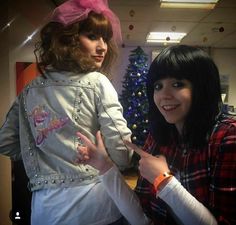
{"type": "Point", "coordinates": [209, 174]}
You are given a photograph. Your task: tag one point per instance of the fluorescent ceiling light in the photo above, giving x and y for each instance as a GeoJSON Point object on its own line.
{"type": "Point", "coordinates": [187, 5]}
{"type": "Point", "coordinates": [166, 37]}
{"type": "Point", "coordinates": [191, 1]}
{"type": "Point", "coordinates": [199, 4]}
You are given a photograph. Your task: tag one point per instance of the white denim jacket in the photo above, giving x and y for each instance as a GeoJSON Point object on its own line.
{"type": "Point", "coordinates": [42, 123]}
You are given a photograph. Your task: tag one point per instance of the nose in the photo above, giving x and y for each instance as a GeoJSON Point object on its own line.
{"type": "Point", "coordinates": [101, 44]}
{"type": "Point", "coordinates": [166, 93]}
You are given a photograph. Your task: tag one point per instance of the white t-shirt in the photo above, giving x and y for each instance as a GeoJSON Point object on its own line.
{"type": "Point", "coordinates": [80, 205]}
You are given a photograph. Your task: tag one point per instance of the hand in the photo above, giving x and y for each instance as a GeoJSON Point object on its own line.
{"type": "Point", "coordinates": [94, 155]}
{"type": "Point", "coordinates": [149, 166]}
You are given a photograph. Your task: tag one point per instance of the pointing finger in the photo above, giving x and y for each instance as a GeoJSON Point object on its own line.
{"type": "Point", "coordinates": [138, 150]}
{"type": "Point", "coordinates": [86, 141]}
{"type": "Point", "coordinates": [99, 140]}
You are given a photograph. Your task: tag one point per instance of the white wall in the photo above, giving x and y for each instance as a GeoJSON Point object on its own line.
{"type": "Point", "coordinates": [225, 60]}
{"type": "Point", "coordinates": [18, 54]}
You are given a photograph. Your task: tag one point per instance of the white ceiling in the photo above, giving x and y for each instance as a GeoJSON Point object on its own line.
{"type": "Point", "coordinates": [202, 26]}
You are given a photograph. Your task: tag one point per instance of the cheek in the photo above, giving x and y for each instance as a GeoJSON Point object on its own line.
{"type": "Point", "coordinates": [187, 99]}
{"type": "Point", "coordinates": [85, 45]}
{"type": "Point", "coordinates": [156, 99]}
{"type": "Point", "coordinates": [105, 49]}
{"type": "Point", "coordinates": [189, 104]}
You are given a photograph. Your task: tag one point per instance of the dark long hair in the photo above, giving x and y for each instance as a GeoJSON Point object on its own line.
{"type": "Point", "coordinates": [195, 65]}
{"type": "Point", "coordinates": [59, 46]}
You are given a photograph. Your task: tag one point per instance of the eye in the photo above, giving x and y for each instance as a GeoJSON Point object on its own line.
{"type": "Point", "coordinates": [178, 84]}
{"type": "Point", "coordinates": [157, 86]}
{"type": "Point", "coordinates": [92, 37]}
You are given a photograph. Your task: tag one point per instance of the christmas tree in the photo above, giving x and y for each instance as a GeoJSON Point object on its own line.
{"type": "Point", "coordinates": [134, 98]}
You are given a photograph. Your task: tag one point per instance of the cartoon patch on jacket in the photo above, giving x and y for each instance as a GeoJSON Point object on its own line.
{"type": "Point", "coordinates": [45, 123]}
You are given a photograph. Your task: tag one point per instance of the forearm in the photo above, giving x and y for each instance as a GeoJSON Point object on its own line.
{"type": "Point", "coordinates": [186, 208]}
{"type": "Point", "coordinates": [124, 198]}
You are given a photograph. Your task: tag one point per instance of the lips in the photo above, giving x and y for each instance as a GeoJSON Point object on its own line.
{"type": "Point", "coordinates": [169, 108]}
{"type": "Point", "coordinates": [98, 58]}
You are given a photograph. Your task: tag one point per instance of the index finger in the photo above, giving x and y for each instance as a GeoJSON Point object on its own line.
{"type": "Point", "coordinates": [86, 141]}
{"type": "Point", "coordinates": [138, 150]}
{"type": "Point", "coordinates": [100, 142]}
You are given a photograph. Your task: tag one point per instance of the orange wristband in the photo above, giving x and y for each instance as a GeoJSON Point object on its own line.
{"type": "Point", "coordinates": [159, 179]}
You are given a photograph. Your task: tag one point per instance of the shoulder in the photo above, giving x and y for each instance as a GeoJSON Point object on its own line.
{"type": "Point", "coordinates": [224, 127]}
{"type": "Point", "coordinates": [101, 83]}
{"type": "Point", "coordinates": [38, 80]}
{"type": "Point", "coordinates": [227, 120]}
{"type": "Point", "coordinates": [96, 77]}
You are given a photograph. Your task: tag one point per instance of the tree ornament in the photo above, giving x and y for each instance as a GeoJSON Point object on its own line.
{"type": "Point", "coordinates": [131, 27]}
{"type": "Point", "coordinates": [221, 29]}
{"type": "Point", "coordinates": [134, 126]}
{"type": "Point", "coordinates": [131, 13]}
{"type": "Point", "coordinates": [139, 94]}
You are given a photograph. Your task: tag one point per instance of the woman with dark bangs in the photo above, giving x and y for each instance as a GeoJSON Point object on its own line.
{"type": "Point", "coordinates": [187, 168]}
{"type": "Point", "coordinates": [188, 163]}
{"type": "Point", "coordinates": [72, 94]}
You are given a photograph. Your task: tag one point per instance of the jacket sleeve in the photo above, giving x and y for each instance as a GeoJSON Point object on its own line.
{"type": "Point", "coordinates": [9, 134]}
{"type": "Point", "coordinates": [113, 126]}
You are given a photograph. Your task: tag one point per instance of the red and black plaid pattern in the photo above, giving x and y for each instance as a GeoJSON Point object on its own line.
{"type": "Point", "coordinates": [209, 174]}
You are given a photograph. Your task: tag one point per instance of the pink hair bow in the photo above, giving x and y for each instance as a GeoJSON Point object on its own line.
{"type": "Point", "coordinates": [76, 10]}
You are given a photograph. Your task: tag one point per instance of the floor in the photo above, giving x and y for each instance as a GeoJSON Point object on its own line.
{"type": "Point", "coordinates": [131, 177]}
